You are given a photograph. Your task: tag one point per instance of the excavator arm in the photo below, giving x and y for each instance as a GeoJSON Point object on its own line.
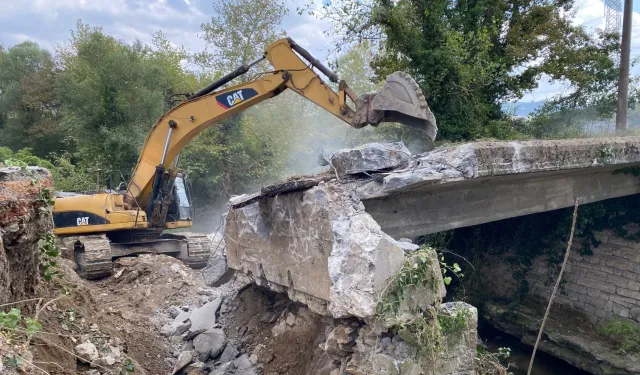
{"type": "Point", "coordinates": [98, 227]}
{"type": "Point", "coordinates": [400, 100]}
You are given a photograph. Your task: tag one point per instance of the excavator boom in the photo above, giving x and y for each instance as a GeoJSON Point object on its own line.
{"type": "Point", "coordinates": [400, 100]}
{"type": "Point", "coordinates": [101, 226]}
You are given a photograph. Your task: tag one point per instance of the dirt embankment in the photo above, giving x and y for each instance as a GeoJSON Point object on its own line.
{"type": "Point", "coordinates": [120, 324]}
{"type": "Point", "coordinates": [23, 221]}
{"type": "Point", "coordinates": [106, 327]}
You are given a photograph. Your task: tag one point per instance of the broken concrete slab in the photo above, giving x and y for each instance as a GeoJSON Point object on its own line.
{"type": "Point", "coordinates": [204, 317]}
{"type": "Point", "coordinates": [183, 360]}
{"type": "Point", "coordinates": [332, 246]}
{"type": "Point", "coordinates": [224, 369]}
{"type": "Point", "coordinates": [243, 365]}
{"type": "Point", "coordinates": [292, 184]}
{"type": "Point", "coordinates": [173, 311]}
{"type": "Point", "coordinates": [229, 353]}
{"type": "Point", "coordinates": [491, 159]}
{"type": "Point", "coordinates": [318, 243]}
{"type": "Point", "coordinates": [371, 157]}
{"type": "Point", "coordinates": [210, 343]}
{"type": "Point", "coordinates": [87, 352]}
{"type": "Point", "coordinates": [175, 328]}
{"type": "Point", "coordinates": [216, 272]}
{"type": "Point", "coordinates": [182, 316]}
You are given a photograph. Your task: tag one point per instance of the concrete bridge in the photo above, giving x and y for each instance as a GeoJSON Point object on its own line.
{"type": "Point", "coordinates": [333, 240]}
{"type": "Point", "coordinates": [336, 240]}
{"type": "Point", "coordinates": [482, 182]}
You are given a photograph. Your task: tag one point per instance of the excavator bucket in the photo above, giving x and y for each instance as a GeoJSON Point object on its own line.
{"type": "Point", "coordinates": [401, 100]}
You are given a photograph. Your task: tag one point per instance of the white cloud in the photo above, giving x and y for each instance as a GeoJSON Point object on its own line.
{"type": "Point", "coordinates": [19, 38]}
{"type": "Point", "coordinates": [144, 32]}
{"type": "Point", "coordinates": [309, 32]}
{"type": "Point", "coordinates": [48, 22]}
{"type": "Point", "coordinates": [51, 9]}
{"type": "Point", "coordinates": [589, 13]}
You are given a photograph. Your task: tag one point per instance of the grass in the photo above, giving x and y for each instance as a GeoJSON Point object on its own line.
{"type": "Point", "coordinates": [624, 333]}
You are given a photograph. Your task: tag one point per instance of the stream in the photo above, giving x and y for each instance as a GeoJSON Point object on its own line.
{"type": "Point", "coordinates": [544, 364]}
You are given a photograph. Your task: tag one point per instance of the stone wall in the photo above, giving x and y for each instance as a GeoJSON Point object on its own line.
{"type": "Point", "coordinates": [602, 285]}
{"type": "Point", "coordinates": [22, 224]}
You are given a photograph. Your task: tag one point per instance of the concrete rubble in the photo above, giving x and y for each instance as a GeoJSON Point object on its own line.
{"type": "Point", "coordinates": [334, 245]}
{"type": "Point", "coordinates": [318, 245]}
{"type": "Point", "coordinates": [335, 241]}
{"type": "Point", "coordinates": [216, 271]}
{"type": "Point", "coordinates": [372, 157]}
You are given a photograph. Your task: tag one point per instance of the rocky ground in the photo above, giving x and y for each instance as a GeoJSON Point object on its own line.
{"type": "Point", "coordinates": [568, 335]}
{"type": "Point", "coordinates": [156, 316]}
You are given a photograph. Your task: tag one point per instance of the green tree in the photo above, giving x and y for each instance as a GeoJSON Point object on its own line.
{"type": "Point", "coordinates": [66, 176]}
{"type": "Point", "coordinates": [470, 55]}
{"type": "Point", "coordinates": [29, 111]}
{"type": "Point", "coordinates": [241, 152]}
{"type": "Point", "coordinates": [112, 93]}
{"type": "Point", "coordinates": [239, 32]}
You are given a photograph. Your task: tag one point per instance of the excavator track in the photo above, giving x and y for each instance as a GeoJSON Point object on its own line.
{"type": "Point", "coordinates": [92, 255]}
{"type": "Point", "coordinates": [198, 248]}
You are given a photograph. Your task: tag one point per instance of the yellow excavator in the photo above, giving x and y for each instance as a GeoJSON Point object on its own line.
{"type": "Point", "coordinates": [100, 227]}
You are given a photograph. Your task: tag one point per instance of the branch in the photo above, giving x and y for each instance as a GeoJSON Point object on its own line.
{"type": "Point", "coordinates": [555, 288]}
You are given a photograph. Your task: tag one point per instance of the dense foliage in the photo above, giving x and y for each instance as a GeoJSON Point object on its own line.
{"type": "Point", "coordinates": [471, 56]}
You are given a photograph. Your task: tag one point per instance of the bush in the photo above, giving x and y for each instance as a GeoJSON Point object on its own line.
{"type": "Point", "coordinates": [70, 177]}
{"type": "Point", "coordinates": [625, 333]}
{"type": "Point", "coordinates": [23, 157]}
{"type": "Point", "coordinates": [66, 175]}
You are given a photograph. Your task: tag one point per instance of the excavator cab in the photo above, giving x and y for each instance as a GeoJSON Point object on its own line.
{"type": "Point", "coordinates": [180, 208]}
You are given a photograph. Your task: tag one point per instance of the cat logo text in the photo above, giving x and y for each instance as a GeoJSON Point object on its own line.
{"type": "Point", "coordinates": [235, 97]}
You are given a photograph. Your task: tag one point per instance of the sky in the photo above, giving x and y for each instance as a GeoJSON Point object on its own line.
{"type": "Point", "coordinates": [49, 22]}
{"type": "Point", "coordinates": [590, 14]}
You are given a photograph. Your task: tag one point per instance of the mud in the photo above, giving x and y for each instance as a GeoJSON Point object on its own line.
{"type": "Point", "coordinates": [254, 320]}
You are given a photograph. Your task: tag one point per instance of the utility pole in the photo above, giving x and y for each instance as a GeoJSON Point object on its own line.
{"type": "Point", "coordinates": [623, 79]}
